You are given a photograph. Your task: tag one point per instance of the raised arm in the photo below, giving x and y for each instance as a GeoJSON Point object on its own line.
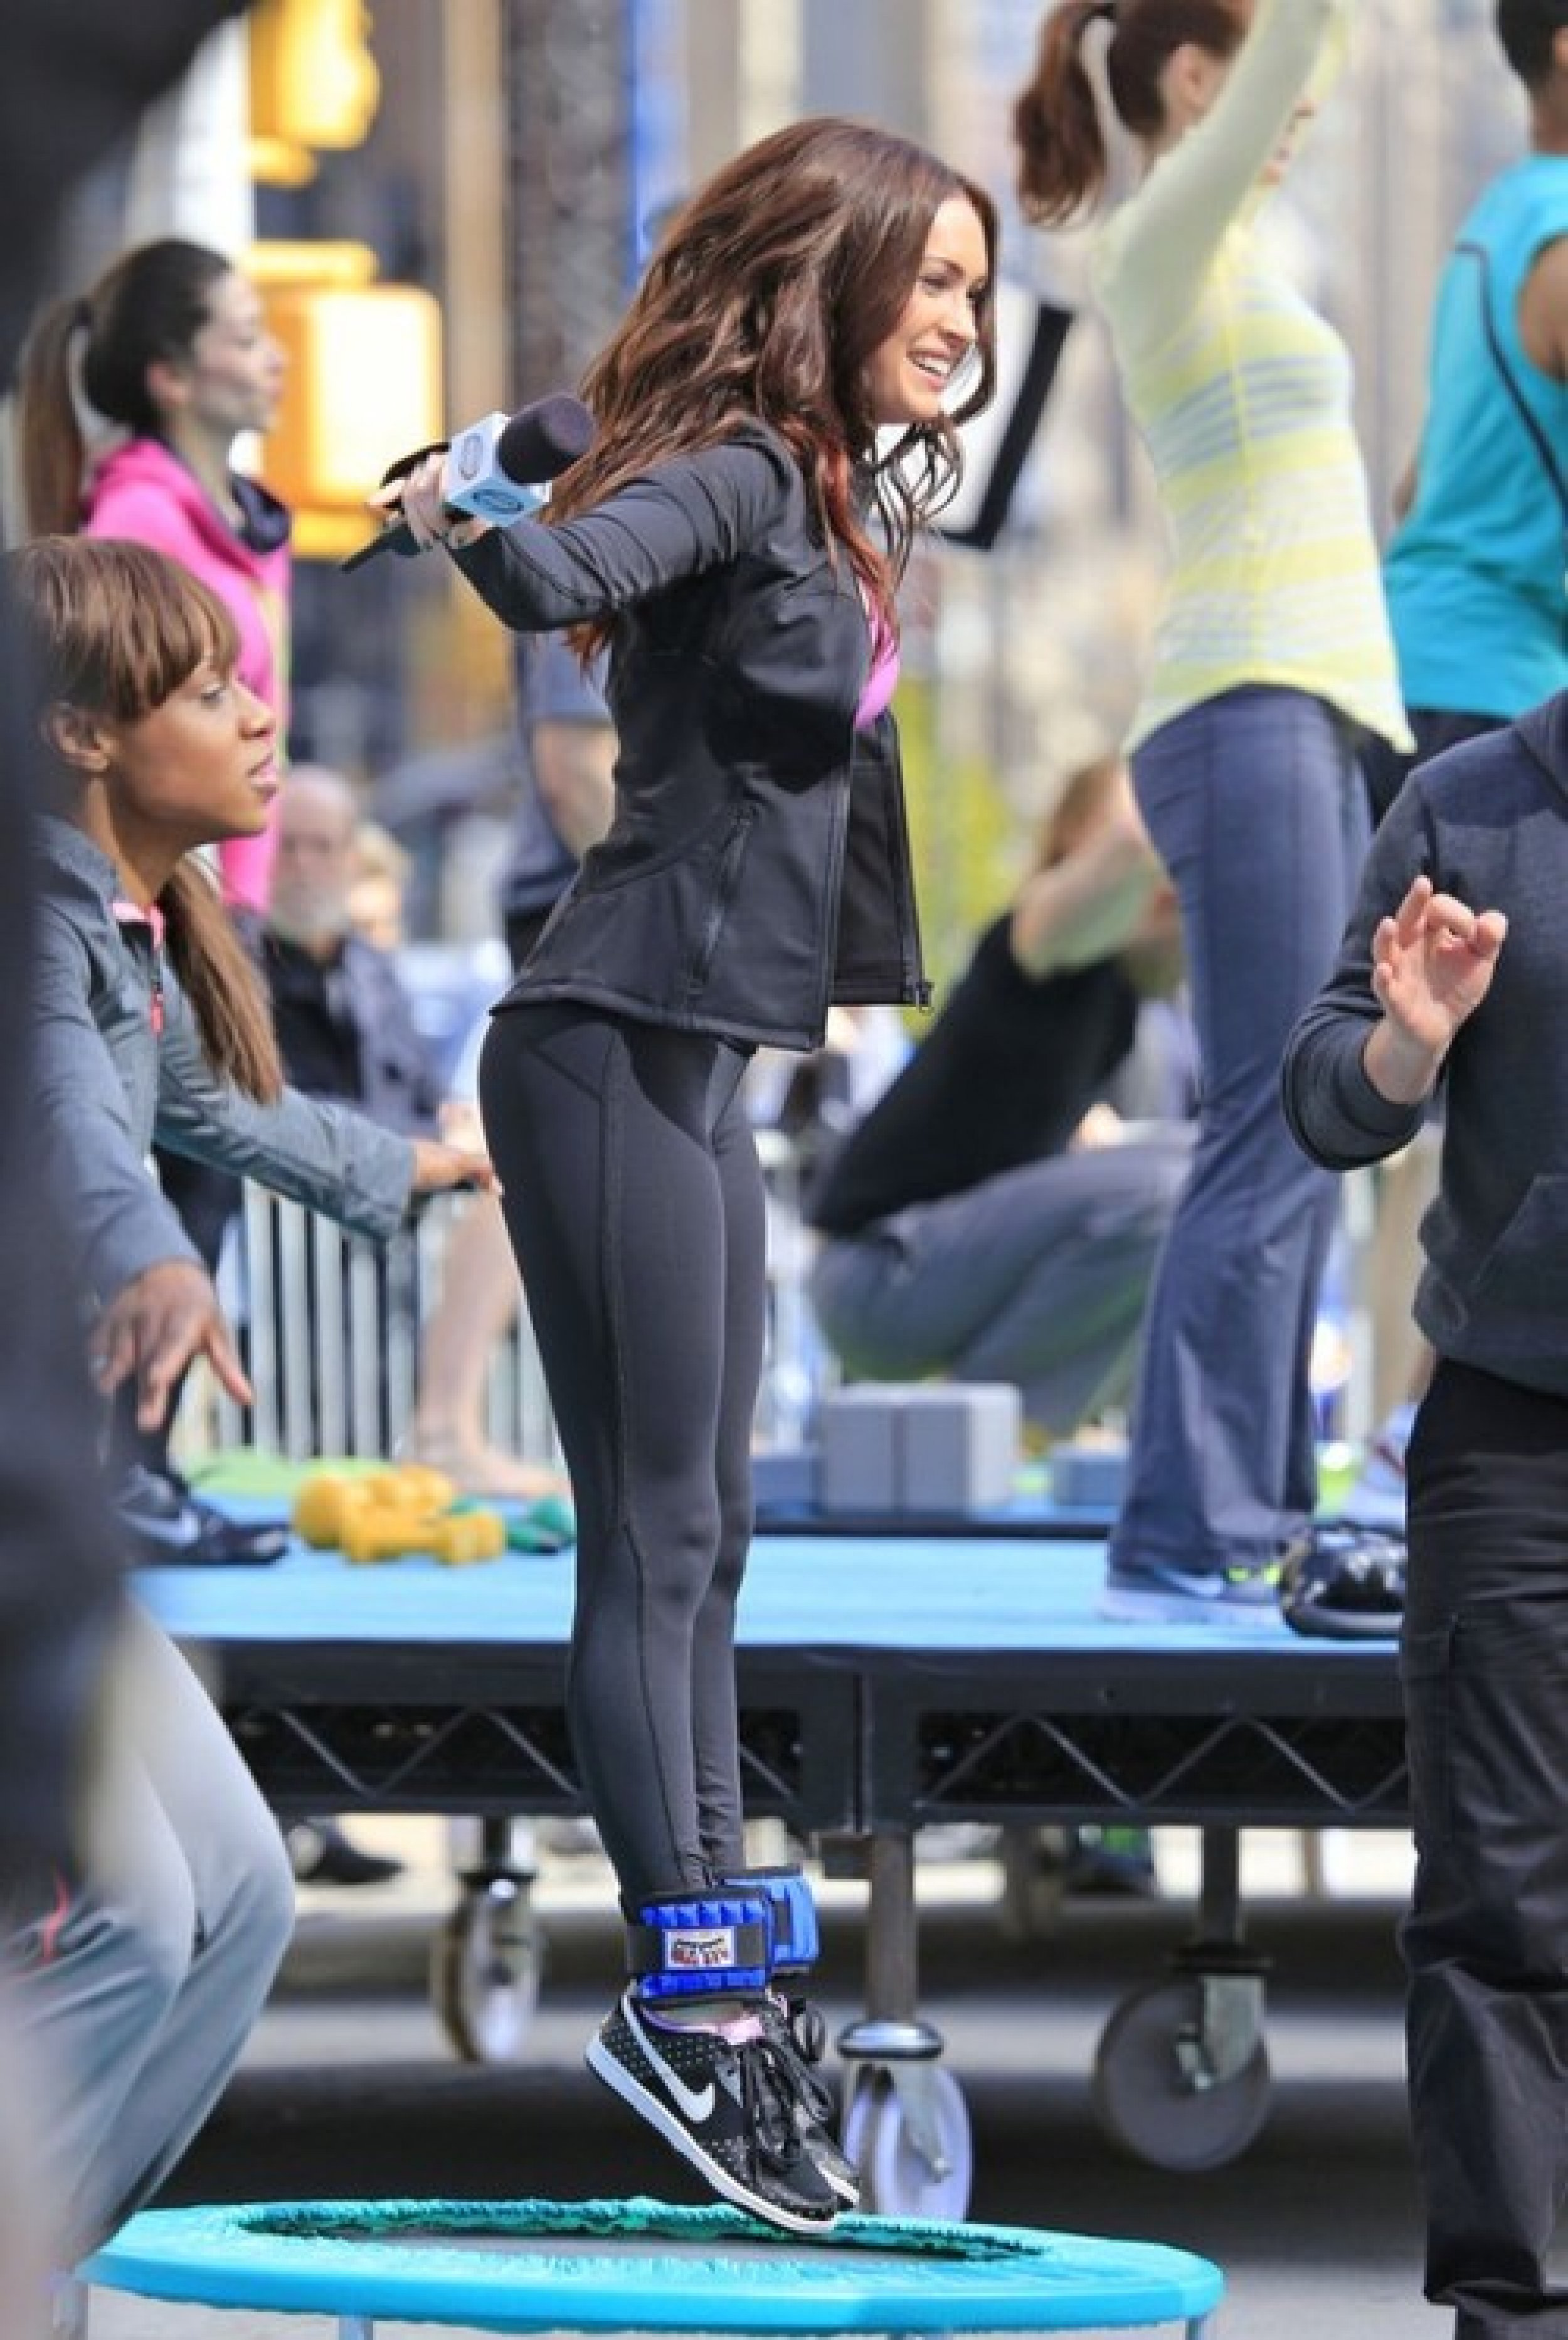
{"type": "Point", "coordinates": [1432, 961]}
{"type": "Point", "coordinates": [1414, 965]}
{"type": "Point", "coordinates": [692, 514]}
{"type": "Point", "coordinates": [1161, 244]}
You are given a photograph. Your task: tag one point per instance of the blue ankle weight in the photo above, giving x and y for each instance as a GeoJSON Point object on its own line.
{"type": "Point", "coordinates": [704, 1947]}
{"type": "Point", "coordinates": [793, 1939]}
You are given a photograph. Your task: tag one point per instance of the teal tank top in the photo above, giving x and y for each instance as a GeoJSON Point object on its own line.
{"type": "Point", "coordinates": [1477, 595]}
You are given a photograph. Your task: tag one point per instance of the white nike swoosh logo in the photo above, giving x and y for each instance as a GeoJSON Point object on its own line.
{"type": "Point", "coordinates": [179, 1531]}
{"type": "Point", "coordinates": [698, 2104]}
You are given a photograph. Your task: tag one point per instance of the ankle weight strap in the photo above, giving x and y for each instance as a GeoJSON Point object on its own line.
{"type": "Point", "coordinates": [793, 1941]}
{"type": "Point", "coordinates": [704, 1948]}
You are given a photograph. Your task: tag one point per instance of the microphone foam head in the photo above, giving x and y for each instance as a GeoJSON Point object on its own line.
{"type": "Point", "coordinates": [544, 438]}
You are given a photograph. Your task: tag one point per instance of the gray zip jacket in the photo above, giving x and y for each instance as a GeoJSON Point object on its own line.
{"type": "Point", "coordinates": [1487, 822]}
{"type": "Point", "coordinates": [108, 1084]}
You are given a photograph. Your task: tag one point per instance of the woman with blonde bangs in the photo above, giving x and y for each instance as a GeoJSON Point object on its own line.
{"type": "Point", "coordinates": [735, 538]}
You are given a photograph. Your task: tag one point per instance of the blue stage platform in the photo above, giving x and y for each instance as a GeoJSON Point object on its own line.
{"type": "Point", "coordinates": [888, 1682]}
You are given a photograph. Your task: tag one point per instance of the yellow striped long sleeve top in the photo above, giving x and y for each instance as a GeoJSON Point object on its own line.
{"type": "Point", "coordinates": [1241, 393]}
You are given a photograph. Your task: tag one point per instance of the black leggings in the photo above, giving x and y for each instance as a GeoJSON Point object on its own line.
{"type": "Point", "coordinates": [635, 1204]}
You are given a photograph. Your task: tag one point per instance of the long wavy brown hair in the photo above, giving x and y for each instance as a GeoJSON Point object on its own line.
{"type": "Point", "coordinates": [114, 629]}
{"type": "Point", "coordinates": [766, 295]}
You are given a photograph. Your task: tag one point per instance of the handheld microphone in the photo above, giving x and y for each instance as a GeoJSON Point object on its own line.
{"type": "Point", "coordinates": [497, 470]}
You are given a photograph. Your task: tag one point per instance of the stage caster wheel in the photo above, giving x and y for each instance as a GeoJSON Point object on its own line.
{"type": "Point", "coordinates": [486, 1967]}
{"type": "Point", "coordinates": [1181, 2073]}
{"type": "Point", "coordinates": [907, 2132]}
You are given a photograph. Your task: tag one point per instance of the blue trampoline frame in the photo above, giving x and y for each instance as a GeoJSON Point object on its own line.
{"type": "Point", "coordinates": [651, 2267]}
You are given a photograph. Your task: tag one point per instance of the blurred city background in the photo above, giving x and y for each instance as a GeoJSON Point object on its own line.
{"type": "Point", "coordinates": [446, 202]}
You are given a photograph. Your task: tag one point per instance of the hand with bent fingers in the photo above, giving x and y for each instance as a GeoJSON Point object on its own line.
{"type": "Point", "coordinates": [437, 1166]}
{"type": "Point", "coordinates": [1432, 967]}
{"type": "Point", "coordinates": [418, 498]}
{"type": "Point", "coordinates": [156, 1327]}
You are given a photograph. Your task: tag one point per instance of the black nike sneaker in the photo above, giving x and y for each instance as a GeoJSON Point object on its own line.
{"type": "Point", "coordinates": [794, 2028]}
{"type": "Point", "coordinates": [164, 1525]}
{"type": "Point", "coordinates": [727, 2105]}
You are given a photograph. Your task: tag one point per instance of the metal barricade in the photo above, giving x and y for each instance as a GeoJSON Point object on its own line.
{"type": "Point", "coordinates": [329, 1323]}
{"type": "Point", "coordinates": [329, 1327]}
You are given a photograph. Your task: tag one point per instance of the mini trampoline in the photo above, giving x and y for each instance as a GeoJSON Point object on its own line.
{"type": "Point", "coordinates": [643, 2265]}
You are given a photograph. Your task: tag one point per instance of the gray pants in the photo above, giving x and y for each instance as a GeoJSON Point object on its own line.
{"type": "Point", "coordinates": [137, 1990]}
{"type": "Point", "coordinates": [1038, 1276]}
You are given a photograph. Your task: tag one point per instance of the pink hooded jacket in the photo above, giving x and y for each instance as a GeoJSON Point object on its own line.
{"type": "Point", "coordinates": [143, 491]}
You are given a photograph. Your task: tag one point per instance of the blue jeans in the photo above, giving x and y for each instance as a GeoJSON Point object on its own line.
{"type": "Point", "coordinates": [1037, 1276]}
{"type": "Point", "coordinates": [1256, 802]}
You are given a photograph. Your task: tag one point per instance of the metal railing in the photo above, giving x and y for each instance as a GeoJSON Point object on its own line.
{"type": "Point", "coordinates": [329, 1327]}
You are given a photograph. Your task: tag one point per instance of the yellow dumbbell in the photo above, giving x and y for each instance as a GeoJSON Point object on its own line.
{"type": "Point", "coordinates": [324, 1506]}
{"type": "Point", "coordinates": [413, 1487]}
{"type": "Point", "coordinates": [464, 1536]}
{"type": "Point", "coordinates": [455, 1538]}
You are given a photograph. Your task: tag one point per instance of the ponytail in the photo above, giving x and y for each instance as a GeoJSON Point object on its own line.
{"type": "Point", "coordinates": [51, 448]}
{"type": "Point", "coordinates": [148, 306]}
{"type": "Point", "coordinates": [1057, 126]}
{"type": "Point", "coordinates": [216, 973]}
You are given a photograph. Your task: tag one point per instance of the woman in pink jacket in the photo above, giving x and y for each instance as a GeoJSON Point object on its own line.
{"type": "Point", "coordinates": [171, 349]}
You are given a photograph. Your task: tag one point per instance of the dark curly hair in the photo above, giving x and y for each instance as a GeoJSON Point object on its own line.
{"type": "Point", "coordinates": [767, 294]}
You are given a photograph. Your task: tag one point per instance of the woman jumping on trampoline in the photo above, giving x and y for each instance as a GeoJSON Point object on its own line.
{"type": "Point", "coordinates": [137, 1979]}
{"type": "Point", "coordinates": [734, 537]}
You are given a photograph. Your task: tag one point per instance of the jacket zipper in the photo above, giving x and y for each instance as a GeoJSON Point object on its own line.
{"type": "Point", "coordinates": [921, 991]}
{"type": "Point", "coordinates": [722, 894]}
{"type": "Point", "coordinates": [834, 897]}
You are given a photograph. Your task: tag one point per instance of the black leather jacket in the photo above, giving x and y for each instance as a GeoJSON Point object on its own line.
{"type": "Point", "coordinates": [758, 864]}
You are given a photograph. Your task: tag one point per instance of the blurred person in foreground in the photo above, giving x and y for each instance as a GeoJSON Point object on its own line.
{"type": "Point", "coordinates": [74, 75]}
{"type": "Point", "coordinates": [1452, 983]}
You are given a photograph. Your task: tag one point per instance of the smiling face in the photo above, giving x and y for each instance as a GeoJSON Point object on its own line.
{"type": "Point", "coordinates": [909, 376]}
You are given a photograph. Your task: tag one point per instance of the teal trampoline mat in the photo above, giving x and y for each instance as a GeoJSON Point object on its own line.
{"type": "Point", "coordinates": [639, 2265]}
